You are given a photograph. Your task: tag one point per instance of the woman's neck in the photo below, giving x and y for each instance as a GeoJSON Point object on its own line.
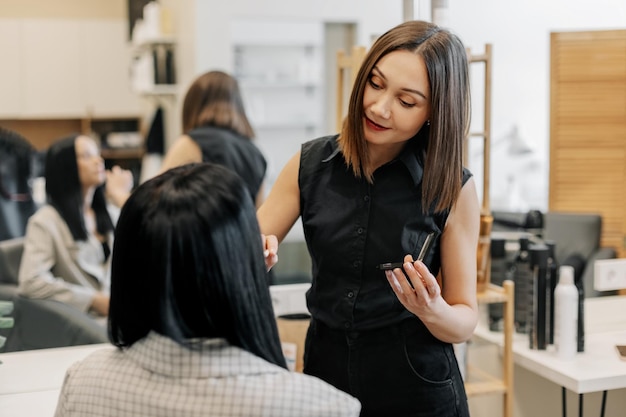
{"type": "Point", "coordinates": [89, 215]}
{"type": "Point", "coordinates": [88, 194]}
{"type": "Point", "coordinates": [379, 155]}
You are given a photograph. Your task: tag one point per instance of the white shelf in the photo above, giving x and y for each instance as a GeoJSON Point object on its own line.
{"type": "Point", "coordinates": [285, 125]}
{"type": "Point", "coordinates": [149, 43]}
{"type": "Point", "coordinates": [160, 90]}
{"type": "Point", "coordinates": [255, 31]}
{"type": "Point", "coordinates": [260, 84]}
{"type": "Point", "coordinates": [147, 68]}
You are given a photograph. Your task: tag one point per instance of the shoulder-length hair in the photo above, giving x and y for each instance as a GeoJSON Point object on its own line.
{"type": "Point", "coordinates": [214, 99]}
{"type": "Point", "coordinates": [445, 58]}
{"type": "Point", "coordinates": [64, 190]}
{"type": "Point", "coordinates": [188, 263]}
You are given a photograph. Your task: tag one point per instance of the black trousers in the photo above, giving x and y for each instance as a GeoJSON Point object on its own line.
{"type": "Point", "coordinates": [400, 370]}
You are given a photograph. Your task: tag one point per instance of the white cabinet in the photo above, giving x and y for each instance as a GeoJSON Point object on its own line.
{"type": "Point", "coordinates": [107, 84]}
{"type": "Point", "coordinates": [52, 68]}
{"type": "Point", "coordinates": [279, 67]}
{"type": "Point", "coordinates": [64, 68]}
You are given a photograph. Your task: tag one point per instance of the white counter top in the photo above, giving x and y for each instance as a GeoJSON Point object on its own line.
{"type": "Point", "coordinates": [598, 368]}
{"type": "Point", "coordinates": [40, 370]}
{"type": "Point", "coordinates": [29, 404]}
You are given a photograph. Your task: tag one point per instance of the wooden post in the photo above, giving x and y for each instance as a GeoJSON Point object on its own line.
{"type": "Point", "coordinates": [347, 67]}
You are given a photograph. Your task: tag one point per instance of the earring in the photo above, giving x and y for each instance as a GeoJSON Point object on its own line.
{"type": "Point", "coordinates": [427, 122]}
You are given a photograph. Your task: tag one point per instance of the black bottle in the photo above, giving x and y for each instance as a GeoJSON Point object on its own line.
{"type": "Point", "coordinates": [523, 279]}
{"type": "Point", "coordinates": [500, 271]}
{"type": "Point", "coordinates": [580, 337]}
{"type": "Point", "coordinates": [553, 278]}
{"type": "Point", "coordinates": [537, 317]}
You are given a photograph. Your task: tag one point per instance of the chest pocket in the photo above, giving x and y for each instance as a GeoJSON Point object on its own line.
{"type": "Point", "coordinates": [422, 236]}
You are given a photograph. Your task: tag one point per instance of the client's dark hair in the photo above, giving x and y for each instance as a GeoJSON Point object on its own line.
{"type": "Point", "coordinates": [65, 193]}
{"type": "Point", "coordinates": [188, 263]}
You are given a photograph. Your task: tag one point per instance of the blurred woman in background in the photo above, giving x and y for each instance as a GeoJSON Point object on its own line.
{"type": "Point", "coordinates": [216, 129]}
{"type": "Point", "coordinates": [68, 240]}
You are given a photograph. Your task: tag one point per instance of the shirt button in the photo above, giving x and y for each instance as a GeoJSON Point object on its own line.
{"type": "Point", "coordinates": [366, 198]}
{"type": "Point", "coordinates": [350, 294]}
{"type": "Point", "coordinates": [359, 230]}
{"type": "Point", "coordinates": [355, 264]}
{"type": "Point", "coordinates": [347, 325]}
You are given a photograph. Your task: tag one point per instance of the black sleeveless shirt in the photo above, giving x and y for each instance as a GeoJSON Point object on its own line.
{"type": "Point", "coordinates": [227, 148]}
{"type": "Point", "coordinates": [351, 226]}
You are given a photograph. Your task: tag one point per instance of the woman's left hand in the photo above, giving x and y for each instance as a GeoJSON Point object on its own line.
{"type": "Point", "coordinates": [421, 297]}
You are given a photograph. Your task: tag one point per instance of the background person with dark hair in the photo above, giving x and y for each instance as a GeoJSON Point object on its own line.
{"type": "Point", "coordinates": [216, 129]}
{"type": "Point", "coordinates": [191, 313]}
{"type": "Point", "coordinates": [16, 171]}
{"type": "Point", "coordinates": [68, 240]}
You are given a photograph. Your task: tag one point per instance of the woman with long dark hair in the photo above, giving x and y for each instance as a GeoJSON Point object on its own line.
{"type": "Point", "coordinates": [68, 240]}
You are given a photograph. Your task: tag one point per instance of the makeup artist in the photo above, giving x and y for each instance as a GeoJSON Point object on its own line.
{"type": "Point", "coordinates": [372, 195]}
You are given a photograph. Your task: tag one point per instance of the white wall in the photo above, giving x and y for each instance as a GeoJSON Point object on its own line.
{"type": "Point", "coordinates": [214, 43]}
{"type": "Point", "coordinates": [213, 22]}
{"type": "Point", "coordinates": [520, 34]}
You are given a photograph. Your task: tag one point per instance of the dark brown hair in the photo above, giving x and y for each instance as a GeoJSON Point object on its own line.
{"type": "Point", "coordinates": [214, 99]}
{"type": "Point", "coordinates": [445, 58]}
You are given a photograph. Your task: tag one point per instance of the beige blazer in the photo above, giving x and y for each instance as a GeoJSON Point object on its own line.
{"type": "Point", "coordinates": [55, 266]}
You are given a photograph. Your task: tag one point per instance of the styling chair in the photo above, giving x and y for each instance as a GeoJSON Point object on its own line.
{"type": "Point", "coordinates": [577, 237]}
{"type": "Point", "coordinates": [40, 324]}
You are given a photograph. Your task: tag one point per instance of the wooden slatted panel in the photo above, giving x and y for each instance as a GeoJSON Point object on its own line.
{"type": "Point", "coordinates": [588, 128]}
{"type": "Point", "coordinates": [593, 101]}
{"type": "Point", "coordinates": [581, 60]}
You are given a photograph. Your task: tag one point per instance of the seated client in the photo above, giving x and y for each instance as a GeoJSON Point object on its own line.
{"type": "Point", "coordinates": [191, 313]}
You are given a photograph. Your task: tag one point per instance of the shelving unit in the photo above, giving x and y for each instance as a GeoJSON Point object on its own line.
{"type": "Point", "coordinates": [153, 67]}
{"type": "Point", "coordinates": [483, 259]}
{"type": "Point", "coordinates": [479, 382]}
{"type": "Point", "coordinates": [281, 84]}
{"type": "Point", "coordinates": [485, 59]}
{"type": "Point", "coordinates": [42, 132]}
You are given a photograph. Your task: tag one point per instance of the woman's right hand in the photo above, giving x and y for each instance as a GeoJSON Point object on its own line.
{"type": "Point", "coordinates": [119, 184]}
{"type": "Point", "coordinates": [100, 304]}
{"type": "Point", "coordinates": [270, 250]}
